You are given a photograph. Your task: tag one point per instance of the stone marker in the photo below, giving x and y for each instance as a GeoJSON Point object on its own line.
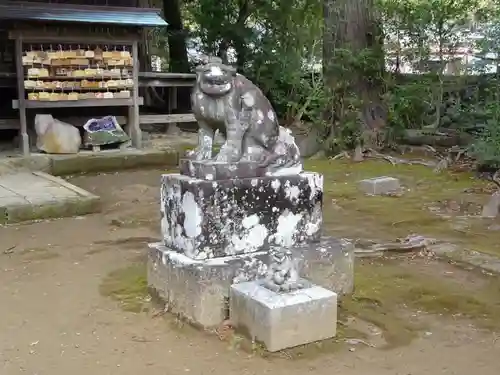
{"type": "Point", "coordinates": [282, 310]}
{"type": "Point", "coordinates": [379, 185]}
{"type": "Point", "coordinates": [492, 207]}
{"type": "Point", "coordinates": [221, 216]}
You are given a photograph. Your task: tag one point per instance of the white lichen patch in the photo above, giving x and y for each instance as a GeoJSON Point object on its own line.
{"type": "Point", "coordinates": [292, 192]}
{"type": "Point", "coordinates": [286, 229]}
{"type": "Point", "coordinates": [315, 182]}
{"type": "Point", "coordinates": [252, 237]}
{"type": "Point", "coordinates": [270, 115]}
{"type": "Point", "coordinates": [315, 221]}
{"type": "Point", "coordinates": [275, 184]}
{"type": "Point", "coordinates": [193, 215]}
{"type": "Point", "coordinates": [165, 230]}
{"type": "Point", "coordinates": [312, 228]}
{"type": "Point", "coordinates": [250, 221]}
{"type": "Point", "coordinates": [248, 99]}
{"type": "Point", "coordinates": [180, 241]}
{"type": "Point", "coordinates": [215, 71]}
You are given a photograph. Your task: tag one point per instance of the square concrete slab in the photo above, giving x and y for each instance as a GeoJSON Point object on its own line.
{"type": "Point", "coordinates": [36, 195]}
{"type": "Point", "coordinates": [283, 320]}
{"type": "Point", "coordinates": [379, 185]}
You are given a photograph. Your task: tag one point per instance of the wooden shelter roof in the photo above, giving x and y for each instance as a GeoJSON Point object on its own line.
{"type": "Point", "coordinates": [124, 16]}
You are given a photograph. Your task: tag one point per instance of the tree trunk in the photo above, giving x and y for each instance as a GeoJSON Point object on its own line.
{"type": "Point", "coordinates": [178, 58]}
{"type": "Point", "coordinates": [239, 42]}
{"type": "Point", "coordinates": [353, 66]}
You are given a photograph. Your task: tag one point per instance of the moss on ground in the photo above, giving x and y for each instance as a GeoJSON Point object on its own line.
{"type": "Point", "coordinates": [384, 289]}
{"type": "Point", "coordinates": [386, 292]}
{"type": "Point", "coordinates": [386, 295]}
{"type": "Point", "coordinates": [129, 287]}
{"type": "Point", "coordinates": [350, 213]}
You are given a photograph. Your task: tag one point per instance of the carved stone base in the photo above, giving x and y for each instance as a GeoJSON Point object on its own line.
{"type": "Point", "coordinates": [283, 320]}
{"type": "Point", "coordinates": [208, 219]}
{"type": "Point", "coordinates": [199, 290]}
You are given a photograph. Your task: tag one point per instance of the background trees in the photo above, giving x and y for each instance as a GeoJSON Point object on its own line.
{"type": "Point", "coordinates": [359, 72]}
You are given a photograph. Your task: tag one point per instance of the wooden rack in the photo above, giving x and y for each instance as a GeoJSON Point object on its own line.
{"type": "Point", "coordinates": [55, 72]}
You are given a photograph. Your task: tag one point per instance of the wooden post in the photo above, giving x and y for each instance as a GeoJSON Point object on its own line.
{"type": "Point", "coordinates": [134, 127]}
{"type": "Point", "coordinates": [25, 142]}
{"type": "Point", "coordinates": [172, 99]}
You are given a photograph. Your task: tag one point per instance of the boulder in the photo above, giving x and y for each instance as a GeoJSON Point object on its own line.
{"type": "Point", "coordinates": [56, 137]}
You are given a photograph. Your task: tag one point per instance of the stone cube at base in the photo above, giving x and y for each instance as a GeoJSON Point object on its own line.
{"type": "Point", "coordinates": [379, 185]}
{"type": "Point", "coordinates": [283, 320]}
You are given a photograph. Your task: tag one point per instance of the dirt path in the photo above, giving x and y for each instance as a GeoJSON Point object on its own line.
{"type": "Point", "coordinates": [54, 321]}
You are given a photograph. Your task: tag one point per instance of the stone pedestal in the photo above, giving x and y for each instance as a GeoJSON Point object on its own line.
{"type": "Point", "coordinates": [283, 320]}
{"type": "Point", "coordinates": [218, 230]}
{"type": "Point", "coordinates": [209, 219]}
{"type": "Point", "coordinates": [198, 290]}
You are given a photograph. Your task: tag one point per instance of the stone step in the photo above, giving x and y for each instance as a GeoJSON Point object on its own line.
{"type": "Point", "coordinates": [28, 196]}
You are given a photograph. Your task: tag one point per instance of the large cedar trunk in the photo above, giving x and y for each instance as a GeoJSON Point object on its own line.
{"type": "Point", "coordinates": [352, 28]}
{"type": "Point", "coordinates": [178, 58]}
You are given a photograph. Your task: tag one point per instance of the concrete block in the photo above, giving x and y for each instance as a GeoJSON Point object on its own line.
{"type": "Point", "coordinates": [379, 185]}
{"type": "Point", "coordinates": [283, 320]}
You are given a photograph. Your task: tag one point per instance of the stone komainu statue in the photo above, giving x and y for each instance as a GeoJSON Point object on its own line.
{"type": "Point", "coordinates": [226, 101]}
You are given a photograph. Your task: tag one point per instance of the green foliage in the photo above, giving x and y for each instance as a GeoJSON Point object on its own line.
{"type": "Point", "coordinates": [276, 43]}
{"type": "Point", "coordinates": [279, 45]}
{"type": "Point", "coordinates": [486, 149]}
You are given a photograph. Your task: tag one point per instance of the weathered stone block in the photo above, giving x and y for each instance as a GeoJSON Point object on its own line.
{"type": "Point", "coordinates": [206, 219]}
{"type": "Point", "coordinates": [198, 290]}
{"type": "Point", "coordinates": [283, 320]}
{"type": "Point", "coordinates": [379, 185]}
{"type": "Point", "coordinates": [328, 263]}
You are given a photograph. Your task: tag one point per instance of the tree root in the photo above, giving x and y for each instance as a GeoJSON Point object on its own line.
{"type": "Point", "coordinates": [452, 155]}
{"type": "Point", "coordinates": [412, 243]}
{"type": "Point", "coordinates": [360, 155]}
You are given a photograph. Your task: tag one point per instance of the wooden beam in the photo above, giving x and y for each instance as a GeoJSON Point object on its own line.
{"type": "Point", "coordinates": [79, 121]}
{"type": "Point", "coordinates": [78, 103]}
{"type": "Point", "coordinates": [166, 119]}
{"type": "Point", "coordinates": [14, 124]}
{"type": "Point", "coordinates": [36, 36]}
{"type": "Point", "coordinates": [161, 75]}
{"type": "Point", "coordinates": [9, 124]}
{"type": "Point", "coordinates": [164, 83]}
